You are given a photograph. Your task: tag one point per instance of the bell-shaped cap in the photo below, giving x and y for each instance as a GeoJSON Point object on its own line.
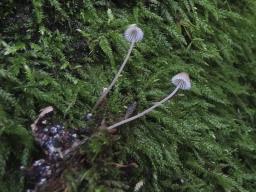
{"type": "Point", "coordinates": [182, 79]}
{"type": "Point", "coordinates": [133, 33]}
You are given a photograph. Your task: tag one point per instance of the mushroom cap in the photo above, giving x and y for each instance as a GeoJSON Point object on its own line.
{"type": "Point", "coordinates": [182, 79]}
{"type": "Point", "coordinates": [133, 33]}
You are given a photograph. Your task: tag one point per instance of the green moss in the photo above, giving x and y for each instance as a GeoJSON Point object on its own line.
{"type": "Point", "coordinates": [62, 53]}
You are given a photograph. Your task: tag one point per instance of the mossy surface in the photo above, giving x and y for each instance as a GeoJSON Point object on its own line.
{"type": "Point", "coordinates": [62, 53]}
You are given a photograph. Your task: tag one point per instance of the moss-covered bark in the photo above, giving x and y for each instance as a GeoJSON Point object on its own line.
{"type": "Point", "coordinates": [62, 53]}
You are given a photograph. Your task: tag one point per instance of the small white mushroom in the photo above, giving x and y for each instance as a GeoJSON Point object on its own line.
{"type": "Point", "coordinates": [132, 34]}
{"type": "Point", "coordinates": [181, 81]}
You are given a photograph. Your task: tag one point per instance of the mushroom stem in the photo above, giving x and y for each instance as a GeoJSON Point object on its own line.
{"type": "Point", "coordinates": [147, 110]}
{"type": "Point", "coordinates": [104, 94]}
